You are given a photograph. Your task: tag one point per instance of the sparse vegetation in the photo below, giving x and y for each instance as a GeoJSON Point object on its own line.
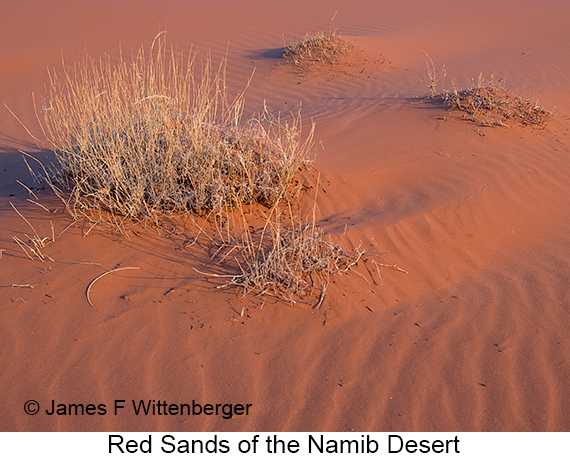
{"type": "Point", "coordinates": [288, 259]}
{"type": "Point", "coordinates": [158, 135]}
{"type": "Point", "coordinates": [489, 103]}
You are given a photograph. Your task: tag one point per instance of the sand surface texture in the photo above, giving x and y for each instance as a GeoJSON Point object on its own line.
{"type": "Point", "coordinates": [475, 336]}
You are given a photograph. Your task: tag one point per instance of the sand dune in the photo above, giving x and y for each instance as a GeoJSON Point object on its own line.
{"type": "Point", "coordinates": [473, 338]}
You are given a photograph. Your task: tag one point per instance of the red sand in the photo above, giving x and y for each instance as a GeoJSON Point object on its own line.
{"type": "Point", "coordinates": [474, 338]}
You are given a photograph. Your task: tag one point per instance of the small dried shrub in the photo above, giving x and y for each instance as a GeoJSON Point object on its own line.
{"type": "Point", "coordinates": [317, 48]}
{"type": "Point", "coordinates": [287, 259]}
{"type": "Point", "coordinates": [489, 103]}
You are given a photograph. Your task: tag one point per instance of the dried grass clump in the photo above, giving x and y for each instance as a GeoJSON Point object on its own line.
{"type": "Point", "coordinates": [287, 259]}
{"type": "Point", "coordinates": [317, 48]}
{"type": "Point", "coordinates": [157, 134]}
{"type": "Point", "coordinates": [489, 103]}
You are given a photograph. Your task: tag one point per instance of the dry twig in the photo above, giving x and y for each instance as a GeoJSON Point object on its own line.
{"type": "Point", "coordinates": [104, 274]}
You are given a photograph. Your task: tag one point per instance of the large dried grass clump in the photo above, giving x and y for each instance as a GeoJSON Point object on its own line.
{"type": "Point", "coordinates": [317, 48]}
{"type": "Point", "coordinates": [489, 103]}
{"type": "Point", "coordinates": [158, 134]}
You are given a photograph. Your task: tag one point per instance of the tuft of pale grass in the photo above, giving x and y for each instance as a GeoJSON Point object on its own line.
{"type": "Point", "coordinates": [489, 103]}
{"type": "Point", "coordinates": [317, 48]}
{"type": "Point", "coordinates": [158, 134]}
{"type": "Point", "coordinates": [288, 259]}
